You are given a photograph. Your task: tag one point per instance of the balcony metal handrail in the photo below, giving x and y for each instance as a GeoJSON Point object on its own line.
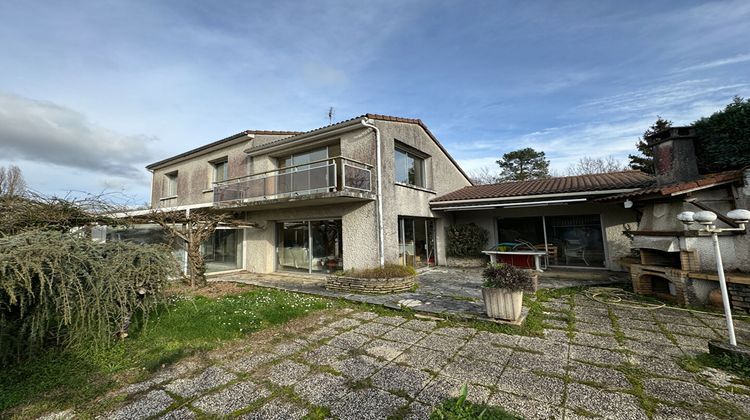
{"type": "Point", "coordinates": [298, 180]}
{"type": "Point", "coordinates": [259, 174]}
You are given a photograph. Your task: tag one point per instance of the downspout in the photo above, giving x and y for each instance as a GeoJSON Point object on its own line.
{"type": "Point", "coordinates": [381, 246]}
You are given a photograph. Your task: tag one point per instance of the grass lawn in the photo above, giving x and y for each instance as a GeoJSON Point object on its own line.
{"type": "Point", "coordinates": [186, 325]}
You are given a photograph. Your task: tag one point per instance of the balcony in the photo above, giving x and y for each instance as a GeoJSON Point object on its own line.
{"type": "Point", "coordinates": [336, 177]}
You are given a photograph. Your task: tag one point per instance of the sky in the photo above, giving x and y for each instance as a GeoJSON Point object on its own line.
{"type": "Point", "coordinates": [93, 91]}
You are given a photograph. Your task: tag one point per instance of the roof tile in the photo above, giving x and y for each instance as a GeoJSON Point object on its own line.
{"type": "Point", "coordinates": [578, 183]}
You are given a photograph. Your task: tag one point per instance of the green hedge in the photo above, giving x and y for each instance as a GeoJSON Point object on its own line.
{"type": "Point", "coordinates": [468, 240]}
{"type": "Point", "coordinates": [723, 139]}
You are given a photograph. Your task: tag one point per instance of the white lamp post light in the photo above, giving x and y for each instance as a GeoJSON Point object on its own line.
{"type": "Point", "coordinates": [706, 219]}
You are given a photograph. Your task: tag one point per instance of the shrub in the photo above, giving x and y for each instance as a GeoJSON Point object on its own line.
{"type": "Point", "coordinates": [466, 240]}
{"type": "Point", "coordinates": [388, 271]}
{"type": "Point", "coordinates": [505, 276]}
{"type": "Point", "coordinates": [63, 289]}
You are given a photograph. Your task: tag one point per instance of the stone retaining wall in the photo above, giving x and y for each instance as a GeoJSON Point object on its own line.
{"type": "Point", "coordinates": [370, 286]}
{"type": "Point", "coordinates": [467, 262]}
{"type": "Point", "coordinates": [739, 295]}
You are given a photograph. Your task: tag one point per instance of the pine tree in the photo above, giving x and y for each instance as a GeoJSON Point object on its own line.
{"type": "Point", "coordinates": [645, 160]}
{"type": "Point", "coordinates": [523, 164]}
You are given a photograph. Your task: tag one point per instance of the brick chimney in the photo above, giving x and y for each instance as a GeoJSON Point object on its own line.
{"type": "Point", "coordinates": [674, 155]}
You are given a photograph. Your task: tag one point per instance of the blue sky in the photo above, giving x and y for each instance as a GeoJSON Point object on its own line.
{"type": "Point", "coordinates": [91, 92]}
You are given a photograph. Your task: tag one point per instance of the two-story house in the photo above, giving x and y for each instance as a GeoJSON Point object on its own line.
{"type": "Point", "coordinates": [351, 194]}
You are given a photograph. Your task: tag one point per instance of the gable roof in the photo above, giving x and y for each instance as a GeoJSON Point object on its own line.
{"type": "Point", "coordinates": [556, 185]}
{"type": "Point", "coordinates": [219, 143]}
{"type": "Point", "coordinates": [301, 136]}
{"type": "Point", "coordinates": [658, 191]}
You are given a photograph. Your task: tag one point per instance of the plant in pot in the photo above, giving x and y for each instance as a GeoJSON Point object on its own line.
{"type": "Point", "coordinates": [502, 290]}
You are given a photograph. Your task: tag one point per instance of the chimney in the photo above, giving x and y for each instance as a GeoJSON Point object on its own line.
{"type": "Point", "coordinates": [674, 155]}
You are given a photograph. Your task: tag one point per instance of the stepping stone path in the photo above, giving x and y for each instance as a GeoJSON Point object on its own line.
{"type": "Point", "coordinates": [361, 365]}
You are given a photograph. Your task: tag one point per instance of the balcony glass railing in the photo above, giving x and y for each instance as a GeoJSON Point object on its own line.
{"type": "Point", "coordinates": [327, 175]}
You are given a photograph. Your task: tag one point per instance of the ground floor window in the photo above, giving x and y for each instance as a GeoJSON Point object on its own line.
{"type": "Point", "coordinates": [312, 246]}
{"type": "Point", "coordinates": [569, 240]}
{"type": "Point", "coordinates": [416, 241]}
{"type": "Point", "coordinates": [223, 250]}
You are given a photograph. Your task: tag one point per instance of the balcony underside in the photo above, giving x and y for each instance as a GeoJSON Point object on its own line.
{"type": "Point", "coordinates": [303, 200]}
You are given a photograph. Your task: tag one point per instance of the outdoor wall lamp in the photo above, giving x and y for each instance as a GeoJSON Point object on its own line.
{"type": "Point", "coordinates": [706, 219]}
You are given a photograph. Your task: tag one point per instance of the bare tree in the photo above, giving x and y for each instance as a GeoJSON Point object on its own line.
{"type": "Point", "coordinates": [591, 165]}
{"type": "Point", "coordinates": [12, 182]}
{"type": "Point", "coordinates": [484, 175]}
{"type": "Point", "coordinates": [190, 229]}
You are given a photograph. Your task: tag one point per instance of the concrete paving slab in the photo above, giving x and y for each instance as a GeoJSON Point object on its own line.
{"type": "Point", "coordinates": [599, 341]}
{"type": "Point", "coordinates": [595, 355]}
{"type": "Point", "coordinates": [182, 413]}
{"type": "Point", "coordinates": [531, 385]}
{"type": "Point", "coordinates": [529, 409]}
{"type": "Point", "coordinates": [610, 405]}
{"type": "Point", "coordinates": [418, 411]}
{"type": "Point", "coordinates": [419, 325]}
{"type": "Point", "coordinates": [148, 405]}
{"type": "Point", "coordinates": [666, 412]}
{"type": "Point", "coordinates": [373, 329]}
{"type": "Point", "coordinates": [367, 404]}
{"type": "Point", "coordinates": [442, 343]}
{"type": "Point", "coordinates": [322, 388]}
{"type": "Point", "coordinates": [287, 373]}
{"type": "Point", "coordinates": [403, 335]}
{"type": "Point", "coordinates": [458, 332]}
{"type": "Point", "coordinates": [277, 410]}
{"type": "Point", "coordinates": [677, 391]}
{"type": "Point", "coordinates": [442, 388]}
{"type": "Point", "coordinates": [483, 350]}
{"type": "Point", "coordinates": [325, 355]}
{"type": "Point", "coordinates": [249, 363]}
{"type": "Point", "coordinates": [231, 398]}
{"type": "Point", "coordinates": [423, 358]}
{"type": "Point", "coordinates": [399, 379]}
{"type": "Point", "coordinates": [473, 371]}
{"type": "Point", "coordinates": [348, 340]}
{"type": "Point", "coordinates": [210, 378]}
{"type": "Point", "coordinates": [601, 377]}
{"type": "Point", "coordinates": [384, 349]}
{"type": "Point", "coordinates": [543, 362]}
{"type": "Point", "coordinates": [358, 367]}
{"type": "Point", "coordinates": [390, 320]}
{"type": "Point", "coordinates": [364, 316]}
{"type": "Point", "coordinates": [345, 324]}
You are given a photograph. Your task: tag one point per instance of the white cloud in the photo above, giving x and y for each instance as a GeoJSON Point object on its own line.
{"type": "Point", "coordinates": [45, 132]}
{"type": "Point", "coordinates": [740, 58]}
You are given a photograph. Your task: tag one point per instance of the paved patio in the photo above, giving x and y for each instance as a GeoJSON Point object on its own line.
{"type": "Point", "coordinates": [594, 360]}
{"type": "Point", "coordinates": [441, 291]}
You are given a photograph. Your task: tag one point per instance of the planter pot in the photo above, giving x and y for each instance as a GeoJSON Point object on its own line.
{"type": "Point", "coordinates": [502, 303]}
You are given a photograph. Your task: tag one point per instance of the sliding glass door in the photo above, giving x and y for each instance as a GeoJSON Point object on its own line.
{"type": "Point", "coordinates": [416, 237]}
{"type": "Point", "coordinates": [310, 246]}
{"type": "Point", "coordinates": [569, 240]}
{"type": "Point", "coordinates": [223, 250]}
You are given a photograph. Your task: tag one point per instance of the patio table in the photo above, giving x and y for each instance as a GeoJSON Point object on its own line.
{"type": "Point", "coordinates": [536, 254]}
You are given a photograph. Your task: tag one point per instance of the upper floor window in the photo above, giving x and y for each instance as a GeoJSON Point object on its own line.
{"type": "Point", "coordinates": [170, 184]}
{"type": "Point", "coordinates": [409, 168]}
{"type": "Point", "coordinates": [221, 170]}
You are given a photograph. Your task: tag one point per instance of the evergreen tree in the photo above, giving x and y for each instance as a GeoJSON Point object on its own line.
{"type": "Point", "coordinates": [645, 160]}
{"type": "Point", "coordinates": [523, 164]}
